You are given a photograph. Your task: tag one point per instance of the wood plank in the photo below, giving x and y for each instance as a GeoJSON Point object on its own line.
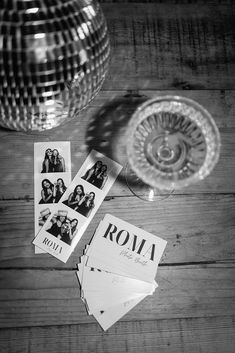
{"type": "Point", "coordinates": [197, 228]}
{"type": "Point", "coordinates": [177, 45]}
{"type": "Point", "coordinates": [103, 127]}
{"type": "Point", "coordinates": [204, 335]}
{"type": "Point", "coordinates": [42, 297]}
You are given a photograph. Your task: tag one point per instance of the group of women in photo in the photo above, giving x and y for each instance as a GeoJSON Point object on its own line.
{"type": "Point", "coordinates": [53, 162]}
{"type": "Point", "coordinates": [97, 175]}
{"type": "Point", "coordinates": [80, 201]}
{"type": "Point", "coordinates": [83, 202]}
{"type": "Point", "coordinates": [51, 193]}
{"type": "Point", "coordinates": [63, 228]}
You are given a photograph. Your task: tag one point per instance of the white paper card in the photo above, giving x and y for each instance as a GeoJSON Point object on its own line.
{"type": "Point", "coordinates": [117, 269]}
{"type": "Point", "coordinates": [112, 315]}
{"type": "Point", "coordinates": [126, 249]}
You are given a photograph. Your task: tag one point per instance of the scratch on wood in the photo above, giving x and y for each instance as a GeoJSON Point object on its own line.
{"type": "Point", "coordinates": [134, 94]}
{"type": "Point", "coordinates": [108, 198]}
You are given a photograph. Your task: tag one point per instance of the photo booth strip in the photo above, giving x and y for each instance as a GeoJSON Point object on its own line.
{"type": "Point", "coordinates": [77, 203]}
{"type": "Point", "coordinates": [51, 167]}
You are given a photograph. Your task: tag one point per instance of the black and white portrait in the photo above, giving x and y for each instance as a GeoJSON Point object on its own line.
{"type": "Point", "coordinates": [51, 191]}
{"type": "Point", "coordinates": [63, 227]}
{"type": "Point", "coordinates": [97, 174]}
{"type": "Point", "coordinates": [53, 162]}
{"type": "Point", "coordinates": [81, 201]}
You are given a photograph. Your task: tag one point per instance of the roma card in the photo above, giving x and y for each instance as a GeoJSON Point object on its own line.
{"type": "Point", "coordinates": [125, 249]}
{"type": "Point", "coordinates": [52, 176]}
{"type": "Point", "coordinates": [81, 200]}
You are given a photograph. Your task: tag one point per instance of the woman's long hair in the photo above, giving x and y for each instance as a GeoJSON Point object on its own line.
{"type": "Point", "coordinates": [57, 157]}
{"type": "Point", "coordinates": [74, 227]}
{"type": "Point", "coordinates": [63, 185]}
{"type": "Point", "coordinates": [90, 202]}
{"type": "Point", "coordinates": [46, 189]}
{"type": "Point", "coordinates": [103, 173]}
{"type": "Point", "coordinates": [46, 154]}
{"type": "Point", "coordinates": [48, 181]}
{"type": "Point", "coordinates": [75, 192]}
{"type": "Point", "coordinates": [46, 157]}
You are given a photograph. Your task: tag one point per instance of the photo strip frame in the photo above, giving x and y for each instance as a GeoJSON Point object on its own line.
{"type": "Point", "coordinates": [80, 201]}
{"type": "Point", "coordinates": [52, 176]}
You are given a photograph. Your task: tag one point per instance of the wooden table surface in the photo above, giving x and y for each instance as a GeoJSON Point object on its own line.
{"type": "Point", "coordinates": [178, 47]}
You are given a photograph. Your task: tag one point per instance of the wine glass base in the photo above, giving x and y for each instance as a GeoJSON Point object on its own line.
{"type": "Point", "coordinates": [144, 191]}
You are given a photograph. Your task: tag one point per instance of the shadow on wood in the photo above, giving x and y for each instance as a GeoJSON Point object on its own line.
{"type": "Point", "coordinates": [106, 131]}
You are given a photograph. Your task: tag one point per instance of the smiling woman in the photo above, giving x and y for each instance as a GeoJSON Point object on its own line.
{"type": "Point", "coordinates": [47, 192]}
{"type": "Point", "coordinates": [58, 164]}
{"type": "Point", "coordinates": [47, 166]}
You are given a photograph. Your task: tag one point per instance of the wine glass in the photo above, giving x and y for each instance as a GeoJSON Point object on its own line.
{"type": "Point", "coordinates": [172, 142]}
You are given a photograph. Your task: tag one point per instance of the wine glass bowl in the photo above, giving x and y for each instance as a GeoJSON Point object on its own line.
{"type": "Point", "coordinates": [172, 142]}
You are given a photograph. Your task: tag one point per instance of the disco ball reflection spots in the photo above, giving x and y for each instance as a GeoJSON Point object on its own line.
{"type": "Point", "coordinates": [54, 56]}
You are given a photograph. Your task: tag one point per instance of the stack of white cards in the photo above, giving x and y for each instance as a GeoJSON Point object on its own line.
{"type": "Point", "coordinates": [118, 269]}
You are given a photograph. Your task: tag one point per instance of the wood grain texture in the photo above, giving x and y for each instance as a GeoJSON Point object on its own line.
{"type": "Point", "coordinates": [182, 47]}
{"type": "Point", "coordinates": [177, 45]}
{"type": "Point", "coordinates": [43, 297]}
{"type": "Point", "coordinates": [197, 228]}
{"type": "Point", "coordinates": [204, 335]}
{"type": "Point", "coordinates": [103, 127]}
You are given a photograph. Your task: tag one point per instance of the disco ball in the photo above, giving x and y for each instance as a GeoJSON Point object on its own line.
{"type": "Point", "coordinates": [54, 56]}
